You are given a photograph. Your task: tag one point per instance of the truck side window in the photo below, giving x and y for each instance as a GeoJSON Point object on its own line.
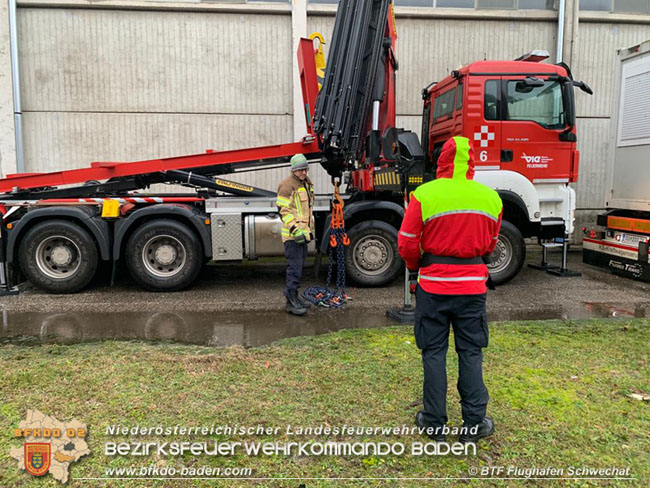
{"type": "Point", "coordinates": [541, 104]}
{"type": "Point", "coordinates": [491, 102]}
{"type": "Point", "coordinates": [443, 105]}
{"type": "Point", "coordinates": [459, 97]}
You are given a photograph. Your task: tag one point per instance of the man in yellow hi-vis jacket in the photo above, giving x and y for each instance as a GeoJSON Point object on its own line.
{"type": "Point", "coordinates": [296, 203]}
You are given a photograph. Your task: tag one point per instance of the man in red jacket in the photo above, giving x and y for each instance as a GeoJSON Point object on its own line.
{"type": "Point", "coordinates": [450, 224]}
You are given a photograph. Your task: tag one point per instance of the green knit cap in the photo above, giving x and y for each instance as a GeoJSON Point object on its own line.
{"type": "Point", "coordinates": [298, 162]}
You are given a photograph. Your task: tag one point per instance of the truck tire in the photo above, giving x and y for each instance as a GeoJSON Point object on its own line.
{"type": "Point", "coordinates": [372, 258]}
{"type": "Point", "coordinates": [58, 256]}
{"type": "Point", "coordinates": [164, 255]}
{"type": "Point", "coordinates": [509, 254]}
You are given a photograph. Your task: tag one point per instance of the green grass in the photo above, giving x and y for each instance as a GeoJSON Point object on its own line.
{"type": "Point", "coordinates": [558, 396]}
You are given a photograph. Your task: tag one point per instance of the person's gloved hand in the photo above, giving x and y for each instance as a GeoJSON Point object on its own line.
{"type": "Point", "coordinates": [300, 237]}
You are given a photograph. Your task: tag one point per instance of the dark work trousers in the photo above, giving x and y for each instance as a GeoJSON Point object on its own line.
{"type": "Point", "coordinates": [296, 255]}
{"type": "Point", "coordinates": [467, 315]}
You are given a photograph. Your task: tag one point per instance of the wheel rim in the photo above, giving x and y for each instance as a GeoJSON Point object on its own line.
{"type": "Point", "coordinates": [502, 255]}
{"type": "Point", "coordinates": [58, 257]}
{"type": "Point", "coordinates": [164, 256]}
{"type": "Point", "coordinates": [372, 255]}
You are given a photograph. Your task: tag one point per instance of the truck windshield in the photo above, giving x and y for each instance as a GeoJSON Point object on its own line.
{"type": "Point", "coordinates": [541, 104]}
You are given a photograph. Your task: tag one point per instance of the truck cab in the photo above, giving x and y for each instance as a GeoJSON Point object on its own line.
{"type": "Point", "coordinates": [520, 117]}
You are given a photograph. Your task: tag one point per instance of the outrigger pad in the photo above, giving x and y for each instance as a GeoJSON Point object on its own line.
{"type": "Point", "coordinates": [404, 315]}
{"type": "Point", "coordinates": [563, 273]}
{"type": "Point", "coordinates": [543, 266]}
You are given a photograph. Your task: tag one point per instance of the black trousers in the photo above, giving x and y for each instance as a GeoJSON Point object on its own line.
{"type": "Point", "coordinates": [296, 255]}
{"type": "Point", "coordinates": [433, 315]}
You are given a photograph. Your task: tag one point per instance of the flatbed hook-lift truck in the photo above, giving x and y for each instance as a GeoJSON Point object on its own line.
{"type": "Point", "coordinates": [350, 128]}
{"type": "Point", "coordinates": [350, 123]}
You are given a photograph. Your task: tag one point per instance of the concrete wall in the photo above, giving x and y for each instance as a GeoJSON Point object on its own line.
{"type": "Point", "coordinates": [7, 135]}
{"type": "Point", "coordinates": [131, 85]}
{"type": "Point", "coordinates": [124, 80]}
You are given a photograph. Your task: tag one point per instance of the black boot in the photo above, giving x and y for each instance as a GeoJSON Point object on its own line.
{"type": "Point", "coordinates": [293, 305]}
{"type": "Point", "coordinates": [436, 434]}
{"type": "Point", "coordinates": [304, 303]}
{"type": "Point", "coordinates": [485, 429]}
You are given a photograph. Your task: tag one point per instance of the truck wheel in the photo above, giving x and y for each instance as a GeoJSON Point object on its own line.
{"type": "Point", "coordinates": [372, 258]}
{"type": "Point", "coordinates": [58, 256]}
{"type": "Point", "coordinates": [164, 255]}
{"type": "Point", "coordinates": [509, 254]}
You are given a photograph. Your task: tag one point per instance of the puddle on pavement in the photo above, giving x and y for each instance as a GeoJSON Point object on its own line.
{"type": "Point", "coordinates": [248, 329]}
{"type": "Point", "coordinates": [579, 310]}
{"type": "Point", "coordinates": [218, 329]}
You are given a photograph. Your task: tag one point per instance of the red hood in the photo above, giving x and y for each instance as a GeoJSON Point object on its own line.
{"type": "Point", "coordinates": [456, 159]}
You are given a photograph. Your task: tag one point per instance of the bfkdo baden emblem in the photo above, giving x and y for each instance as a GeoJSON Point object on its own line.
{"type": "Point", "coordinates": [37, 457]}
{"type": "Point", "coordinates": [49, 445]}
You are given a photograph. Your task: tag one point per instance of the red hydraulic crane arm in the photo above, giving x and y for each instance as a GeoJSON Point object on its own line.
{"type": "Point", "coordinates": [388, 112]}
{"type": "Point", "coordinates": [308, 79]}
{"type": "Point", "coordinates": [106, 170]}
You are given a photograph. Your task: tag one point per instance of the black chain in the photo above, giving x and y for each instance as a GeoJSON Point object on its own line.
{"type": "Point", "coordinates": [326, 296]}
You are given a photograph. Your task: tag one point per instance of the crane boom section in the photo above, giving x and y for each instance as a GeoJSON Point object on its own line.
{"type": "Point", "coordinates": [359, 61]}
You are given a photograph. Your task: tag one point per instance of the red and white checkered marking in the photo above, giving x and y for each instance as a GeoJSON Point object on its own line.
{"type": "Point", "coordinates": [484, 136]}
{"type": "Point", "coordinates": [123, 200]}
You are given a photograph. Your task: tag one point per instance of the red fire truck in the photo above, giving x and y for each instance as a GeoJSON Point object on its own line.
{"type": "Point", "coordinates": [520, 116]}
{"type": "Point", "coordinates": [57, 227]}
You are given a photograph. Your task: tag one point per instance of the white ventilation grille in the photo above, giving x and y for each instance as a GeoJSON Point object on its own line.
{"type": "Point", "coordinates": [634, 123]}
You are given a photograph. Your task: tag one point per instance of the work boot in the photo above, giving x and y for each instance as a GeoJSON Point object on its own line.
{"type": "Point", "coordinates": [293, 305]}
{"type": "Point", "coordinates": [304, 303]}
{"type": "Point", "coordinates": [422, 424]}
{"type": "Point", "coordinates": [485, 429]}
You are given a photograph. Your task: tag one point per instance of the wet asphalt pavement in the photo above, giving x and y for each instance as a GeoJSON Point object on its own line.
{"type": "Point", "coordinates": [243, 304]}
